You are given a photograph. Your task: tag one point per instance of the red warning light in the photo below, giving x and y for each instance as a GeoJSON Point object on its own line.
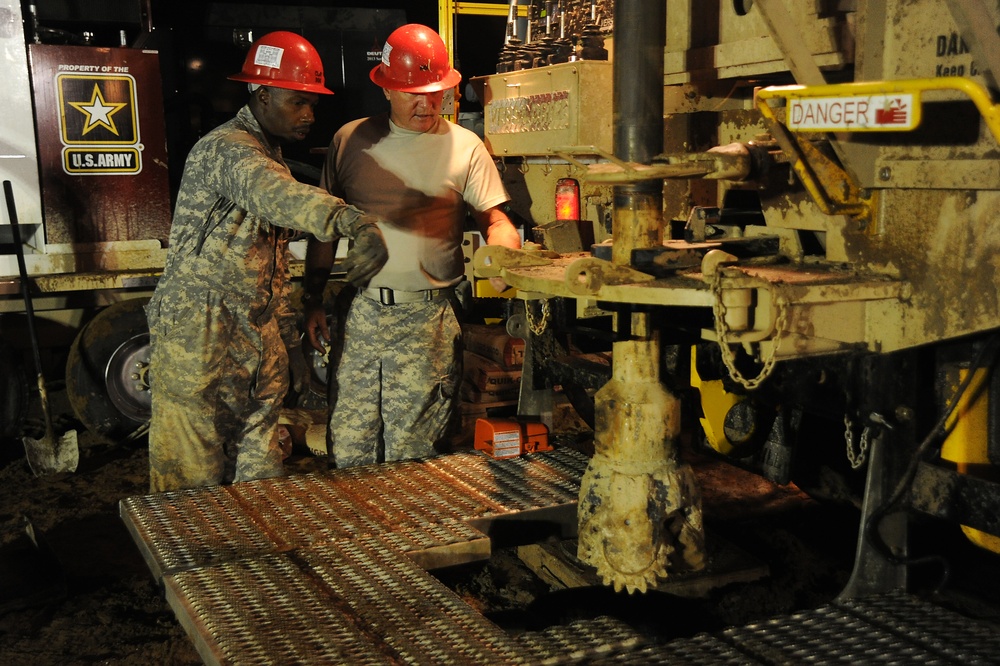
{"type": "Point", "coordinates": [567, 199]}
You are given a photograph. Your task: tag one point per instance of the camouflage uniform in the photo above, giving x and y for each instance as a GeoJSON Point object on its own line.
{"type": "Point", "coordinates": [219, 320]}
{"type": "Point", "coordinates": [402, 363]}
{"type": "Point", "coordinates": [400, 368]}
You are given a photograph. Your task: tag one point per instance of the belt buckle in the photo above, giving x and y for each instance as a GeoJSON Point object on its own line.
{"type": "Point", "coordinates": [385, 296]}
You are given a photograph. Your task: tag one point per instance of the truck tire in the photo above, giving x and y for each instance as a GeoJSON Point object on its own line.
{"type": "Point", "coordinates": [107, 372]}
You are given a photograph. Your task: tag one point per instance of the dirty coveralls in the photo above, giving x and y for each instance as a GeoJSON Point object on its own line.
{"type": "Point", "coordinates": [219, 319]}
{"type": "Point", "coordinates": [400, 368]}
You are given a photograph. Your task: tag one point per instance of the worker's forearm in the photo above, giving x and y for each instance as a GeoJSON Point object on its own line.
{"type": "Point", "coordinates": [503, 234]}
{"type": "Point", "coordinates": [497, 228]}
{"type": "Point", "coordinates": [319, 261]}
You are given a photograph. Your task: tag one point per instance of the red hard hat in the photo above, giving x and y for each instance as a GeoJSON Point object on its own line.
{"type": "Point", "coordinates": [415, 60]}
{"type": "Point", "coordinates": [284, 60]}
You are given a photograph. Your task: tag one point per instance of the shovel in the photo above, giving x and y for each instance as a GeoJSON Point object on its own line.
{"type": "Point", "coordinates": [50, 454]}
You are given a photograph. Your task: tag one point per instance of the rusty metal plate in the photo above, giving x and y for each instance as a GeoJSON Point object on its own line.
{"type": "Point", "coordinates": [332, 568]}
{"type": "Point", "coordinates": [517, 484]}
{"type": "Point", "coordinates": [184, 529]}
{"type": "Point", "coordinates": [352, 602]}
{"type": "Point", "coordinates": [187, 528]}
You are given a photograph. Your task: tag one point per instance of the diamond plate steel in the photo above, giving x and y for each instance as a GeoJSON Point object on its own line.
{"type": "Point", "coordinates": [938, 629]}
{"type": "Point", "coordinates": [388, 488]}
{"type": "Point", "coordinates": [355, 602]}
{"type": "Point", "coordinates": [183, 529]}
{"type": "Point", "coordinates": [889, 629]}
{"type": "Point", "coordinates": [192, 527]}
{"type": "Point", "coordinates": [518, 484]}
{"type": "Point", "coordinates": [695, 651]}
{"type": "Point", "coordinates": [437, 545]}
{"type": "Point", "coordinates": [332, 568]}
{"type": "Point", "coordinates": [582, 640]}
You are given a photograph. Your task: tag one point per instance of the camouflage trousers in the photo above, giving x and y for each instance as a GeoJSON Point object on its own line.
{"type": "Point", "coordinates": [397, 381]}
{"type": "Point", "coordinates": [217, 383]}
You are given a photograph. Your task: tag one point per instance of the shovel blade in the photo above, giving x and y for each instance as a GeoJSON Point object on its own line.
{"type": "Point", "coordinates": [52, 455]}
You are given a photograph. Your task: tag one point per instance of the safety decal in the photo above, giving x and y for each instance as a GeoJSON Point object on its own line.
{"type": "Point", "coordinates": [269, 56]}
{"type": "Point", "coordinates": [896, 112]}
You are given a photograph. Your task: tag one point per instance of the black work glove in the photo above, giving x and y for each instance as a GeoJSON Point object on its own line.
{"type": "Point", "coordinates": [367, 255]}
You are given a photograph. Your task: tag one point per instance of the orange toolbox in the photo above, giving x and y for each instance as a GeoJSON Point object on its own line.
{"type": "Point", "coordinates": [509, 438]}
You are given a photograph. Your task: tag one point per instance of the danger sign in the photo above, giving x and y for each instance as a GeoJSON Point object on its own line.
{"type": "Point", "coordinates": [896, 112]}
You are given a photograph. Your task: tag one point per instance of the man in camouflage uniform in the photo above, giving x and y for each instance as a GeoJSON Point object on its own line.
{"type": "Point", "coordinates": [219, 320]}
{"type": "Point", "coordinates": [401, 361]}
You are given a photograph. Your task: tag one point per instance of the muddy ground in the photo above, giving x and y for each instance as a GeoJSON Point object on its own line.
{"type": "Point", "coordinates": [81, 594]}
{"type": "Point", "coordinates": [75, 590]}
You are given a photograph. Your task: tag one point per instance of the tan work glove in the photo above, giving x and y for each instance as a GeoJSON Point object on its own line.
{"type": "Point", "coordinates": [367, 255]}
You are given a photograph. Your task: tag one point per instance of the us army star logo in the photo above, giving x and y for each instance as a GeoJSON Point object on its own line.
{"type": "Point", "coordinates": [98, 112]}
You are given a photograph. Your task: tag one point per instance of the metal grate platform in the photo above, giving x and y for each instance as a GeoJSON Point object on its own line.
{"type": "Point", "coordinates": [433, 502]}
{"type": "Point", "coordinates": [350, 602]}
{"type": "Point", "coordinates": [331, 568]}
{"type": "Point", "coordinates": [888, 629]}
{"type": "Point", "coordinates": [893, 629]}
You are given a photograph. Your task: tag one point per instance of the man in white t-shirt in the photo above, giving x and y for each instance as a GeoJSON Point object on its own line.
{"type": "Point", "coordinates": [400, 369]}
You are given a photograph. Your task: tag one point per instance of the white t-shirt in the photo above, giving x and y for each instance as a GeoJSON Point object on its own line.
{"type": "Point", "coordinates": [420, 184]}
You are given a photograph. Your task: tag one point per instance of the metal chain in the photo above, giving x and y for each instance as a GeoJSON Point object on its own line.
{"type": "Point", "coordinates": [538, 326]}
{"type": "Point", "coordinates": [856, 459]}
{"type": "Point", "coordinates": [721, 332]}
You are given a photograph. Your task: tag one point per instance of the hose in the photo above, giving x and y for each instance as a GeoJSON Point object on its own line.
{"type": "Point", "coordinates": [930, 445]}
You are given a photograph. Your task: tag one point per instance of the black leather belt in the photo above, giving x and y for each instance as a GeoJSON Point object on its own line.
{"type": "Point", "coordinates": [387, 296]}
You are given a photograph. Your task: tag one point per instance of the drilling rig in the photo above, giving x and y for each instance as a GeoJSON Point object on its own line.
{"type": "Point", "coordinates": [787, 231]}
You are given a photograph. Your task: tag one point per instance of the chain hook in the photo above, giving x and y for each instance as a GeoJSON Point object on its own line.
{"type": "Point", "coordinates": [721, 333]}
{"type": "Point", "coordinates": [856, 456]}
{"type": "Point", "coordinates": [538, 326]}
{"type": "Point", "coordinates": [877, 424]}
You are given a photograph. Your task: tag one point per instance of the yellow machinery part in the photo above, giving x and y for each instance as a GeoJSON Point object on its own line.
{"type": "Point", "coordinates": [715, 404]}
{"type": "Point", "coordinates": [966, 443]}
{"type": "Point", "coordinates": [483, 289]}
